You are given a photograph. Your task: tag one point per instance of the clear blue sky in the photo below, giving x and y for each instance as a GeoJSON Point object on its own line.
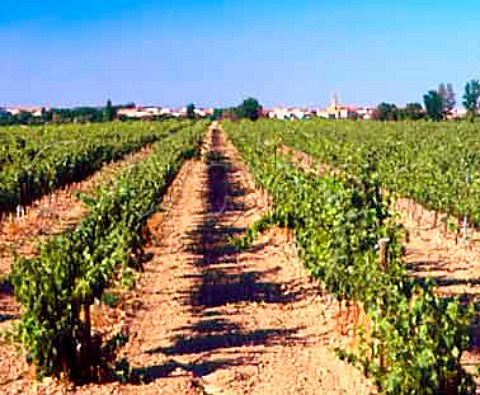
{"type": "Point", "coordinates": [216, 53]}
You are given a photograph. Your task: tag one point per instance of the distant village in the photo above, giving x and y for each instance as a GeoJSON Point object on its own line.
{"type": "Point", "coordinates": [335, 110]}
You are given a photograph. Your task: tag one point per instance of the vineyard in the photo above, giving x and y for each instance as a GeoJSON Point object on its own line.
{"type": "Point", "coordinates": [437, 165]}
{"type": "Point", "coordinates": [35, 162]}
{"type": "Point", "coordinates": [216, 262]}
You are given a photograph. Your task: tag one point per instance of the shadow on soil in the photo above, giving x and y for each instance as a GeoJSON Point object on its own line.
{"type": "Point", "coordinates": [206, 341]}
{"type": "Point", "coordinates": [6, 292]}
{"type": "Point", "coordinates": [8, 317]}
{"type": "Point", "coordinates": [222, 281]}
{"type": "Point", "coordinates": [200, 369]}
{"type": "Point", "coordinates": [6, 287]}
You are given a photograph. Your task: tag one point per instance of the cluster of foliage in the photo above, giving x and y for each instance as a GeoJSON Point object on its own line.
{"type": "Point", "coordinates": [471, 98]}
{"type": "Point", "coordinates": [190, 111]}
{"type": "Point", "coordinates": [64, 115]}
{"type": "Point", "coordinates": [438, 104]}
{"type": "Point", "coordinates": [433, 105]}
{"type": "Point", "coordinates": [76, 267]}
{"type": "Point", "coordinates": [437, 165]}
{"type": "Point", "coordinates": [390, 112]}
{"type": "Point", "coordinates": [250, 108]}
{"type": "Point", "coordinates": [36, 160]}
{"type": "Point", "coordinates": [416, 339]}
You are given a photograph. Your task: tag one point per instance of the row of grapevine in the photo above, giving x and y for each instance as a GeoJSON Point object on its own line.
{"type": "Point", "coordinates": [438, 165]}
{"type": "Point", "coordinates": [415, 339]}
{"type": "Point", "coordinates": [37, 160]}
{"type": "Point", "coordinates": [74, 268]}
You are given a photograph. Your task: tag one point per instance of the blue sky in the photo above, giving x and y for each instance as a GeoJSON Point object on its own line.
{"type": "Point", "coordinates": [215, 53]}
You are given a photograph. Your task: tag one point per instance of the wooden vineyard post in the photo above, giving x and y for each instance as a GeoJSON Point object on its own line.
{"type": "Point", "coordinates": [383, 253]}
{"type": "Point", "coordinates": [32, 369]}
{"type": "Point", "coordinates": [465, 229]}
{"type": "Point", "coordinates": [383, 261]}
{"type": "Point", "coordinates": [84, 366]}
{"type": "Point", "coordinates": [464, 224]}
{"type": "Point", "coordinates": [88, 336]}
{"type": "Point", "coordinates": [275, 165]}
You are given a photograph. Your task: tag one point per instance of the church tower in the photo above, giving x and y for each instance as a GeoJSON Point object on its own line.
{"type": "Point", "coordinates": [334, 104]}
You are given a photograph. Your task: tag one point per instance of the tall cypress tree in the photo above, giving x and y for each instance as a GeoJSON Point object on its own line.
{"type": "Point", "coordinates": [109, 112]}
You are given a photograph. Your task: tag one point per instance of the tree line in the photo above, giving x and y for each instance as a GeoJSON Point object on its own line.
{"type": "Point", "coordinates": [438, 105]}
{"type": "Point", "coordinates": [250, 108]}
{"type": "Point", "coordinates": [65, 115]}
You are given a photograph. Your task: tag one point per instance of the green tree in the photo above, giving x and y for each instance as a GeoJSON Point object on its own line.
{"type": "Point", "coordinates": [25, 118]}
{"type": "Point", "coordinates": [450, 101]}
{"type": "Point", "coordinates": [250, 108]}
{"type": "Point", "coordinates": [191, 111]}
{"type": "Point", "coordinates": [387, 112]}
{"type": "Point", "coordinates": [470, 97]}
{"type": "Point", "coordinates": [413, 111]}
{"type": "Point", "coordinates": [217, 113]}
{"type": "Point", "coordinates": [109, 112]}
{"type": "Point", "coordinates": [448, 97]}
{"type": "Point", "coordinates": [46, 115]}
{"type": "Point", "coordinates": [433, 105]}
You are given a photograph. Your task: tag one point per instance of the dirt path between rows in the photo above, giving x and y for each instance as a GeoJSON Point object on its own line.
{"type": "Point", "coordinates": [215, 321]}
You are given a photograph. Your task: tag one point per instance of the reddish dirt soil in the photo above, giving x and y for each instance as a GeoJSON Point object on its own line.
{"type": "Point", "coordinates": [213, 320]}
{"type": "Point", "coordinates": [229, 322]}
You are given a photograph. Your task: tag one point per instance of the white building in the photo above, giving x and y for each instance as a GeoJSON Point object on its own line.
{"type": "Point", "coordinates": [287, 113]}
{"type": "Point", "coordinates": [35, 111]}
{"type": "Point", "coordinates": [457, 113]}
